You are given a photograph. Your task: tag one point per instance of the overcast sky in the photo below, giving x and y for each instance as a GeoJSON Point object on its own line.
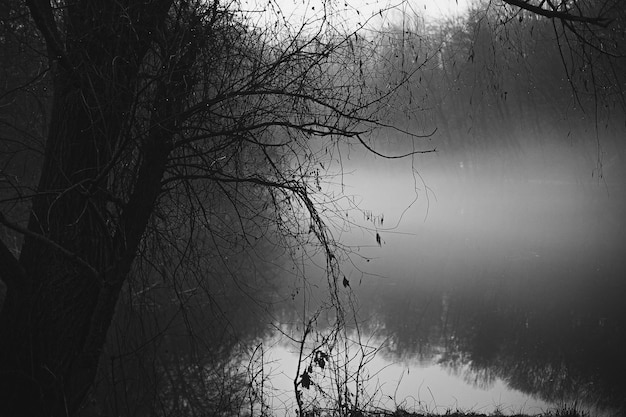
{"type": "Point", "coordinates": [355, 12]}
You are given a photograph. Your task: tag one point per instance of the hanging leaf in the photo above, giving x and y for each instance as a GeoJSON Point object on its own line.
{"type": "Point", "coordinates": [320, 359]}
{"type": "Point", "coordinates": [305, 380]}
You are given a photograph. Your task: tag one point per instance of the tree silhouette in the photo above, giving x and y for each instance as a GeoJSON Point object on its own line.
{"type": "Point", "coordinates": [162, 113]}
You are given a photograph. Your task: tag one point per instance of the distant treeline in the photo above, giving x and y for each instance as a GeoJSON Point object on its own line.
{"type": "Point", "coordinates": [489, 81]}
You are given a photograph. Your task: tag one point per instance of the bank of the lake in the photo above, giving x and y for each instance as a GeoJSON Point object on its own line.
{"type": "Point", "coordinates": [565, 411]}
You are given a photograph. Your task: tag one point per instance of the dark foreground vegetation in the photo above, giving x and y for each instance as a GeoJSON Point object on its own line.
{"type": "Point", "coordinates": [560, 412]}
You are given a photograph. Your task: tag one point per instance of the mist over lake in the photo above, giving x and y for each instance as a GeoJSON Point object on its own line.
{"type": "Point", "coordinates": [503, 272]}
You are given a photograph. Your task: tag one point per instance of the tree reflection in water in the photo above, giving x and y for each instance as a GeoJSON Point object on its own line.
{"type": "Point", "coordinates": [561, 343]}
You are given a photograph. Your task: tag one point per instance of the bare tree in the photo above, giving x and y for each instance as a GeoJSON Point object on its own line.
{"type": "Point", "coordinates": [589, 35]}
{"type": "Point", "coordinates": [567, 12]}
{"type": "Point", "coordinates": [157, 107]}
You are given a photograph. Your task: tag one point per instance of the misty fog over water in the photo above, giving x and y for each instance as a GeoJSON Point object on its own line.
{"type": "Point", "coordinates": [499, 279]}
{"type": "Point", "coordinates": [489, 275]}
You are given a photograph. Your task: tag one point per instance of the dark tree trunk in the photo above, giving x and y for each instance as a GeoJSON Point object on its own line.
{"type": "Point", "coordinates": [44, 324]}
{"type": "Point", "coordinates": [61, 293]}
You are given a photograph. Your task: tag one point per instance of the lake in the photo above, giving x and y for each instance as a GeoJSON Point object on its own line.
{"type": "Point", "coordinates": [495, 283]}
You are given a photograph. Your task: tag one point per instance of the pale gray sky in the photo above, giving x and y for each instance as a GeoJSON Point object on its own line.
{"type": "Point", "coordinates": [353, 12]}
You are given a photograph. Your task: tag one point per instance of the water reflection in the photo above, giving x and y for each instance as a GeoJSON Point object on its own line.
{"type": "Point", "coordinates": [408, 384]}
{"type": "Point", "coordinates": [479, 285]}
{"type": "Point", "coordinates": [555, 351]}
{"type": "Point", "coordinates": [510, 279]}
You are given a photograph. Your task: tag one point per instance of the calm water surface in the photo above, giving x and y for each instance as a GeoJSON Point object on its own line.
{"type": "Point", "coordinates": [496, 285]}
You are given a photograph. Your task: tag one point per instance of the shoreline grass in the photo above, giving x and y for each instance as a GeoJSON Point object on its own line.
{"type": "Point", "coordinates": [562, 411]}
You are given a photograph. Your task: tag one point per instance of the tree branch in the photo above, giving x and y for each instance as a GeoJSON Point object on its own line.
{"type": "Point", "coordinates": [556, 14]}
{"type": "Point", "coordinates": [41, 11]}
{"type": "Point", "coordinates": [11, 272]}
{"type": "Point", "coordinates": [372, 150]}
{"type": "Point", "coordinates": [45, 240]}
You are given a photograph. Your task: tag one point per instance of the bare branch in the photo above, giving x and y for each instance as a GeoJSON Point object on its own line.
{"type": "Point", "coordinates": [369, 148]}
{"type": "Point", "coordinates": [41, 11]}
{"type": "Point", "coordinates": [11, 272]}
{"type": "Point", "coordinates": [557, 14]}
{"type": "Point", "coordinates": [45, 240]}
